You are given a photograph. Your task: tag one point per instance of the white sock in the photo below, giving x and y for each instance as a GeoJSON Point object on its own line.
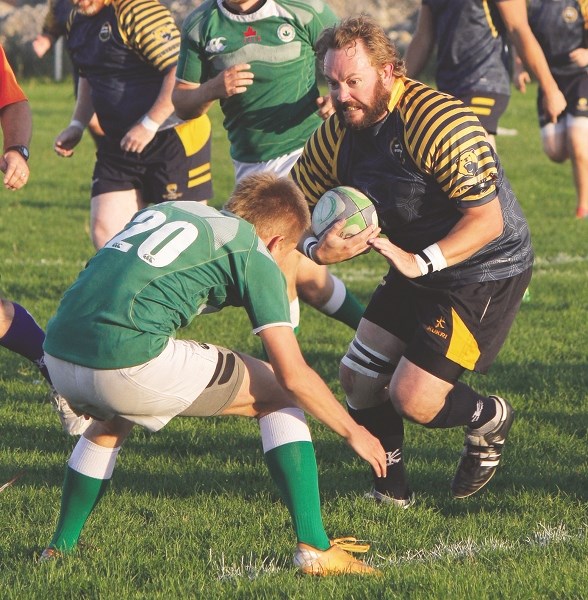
{"type": "Point", "coordinates": [93, 460]}
{"type": "Point", "coordinates": [337, 298]}
{"type": "Point", "coordinates": [283, 427]}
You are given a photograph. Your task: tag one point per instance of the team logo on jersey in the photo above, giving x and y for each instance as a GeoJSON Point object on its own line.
{"type": "Point", "coordinates": [250, 36]}
{"type": "Point", "coordinates": [105, 32]}
{"type": "Point", "coordinates": [397, 151]}
{"type": "Point", "coordinates": [467, 165]}
{"type": "Point", "coordinates": [569, 14]}
{"type": "Point", "coordinates": [215, 45]}
{"type": "Point", "coordinates": [582, 104]}
{"type": "Point", "coordinates": [286, 32]}
{"type": "Point", "coordinates": [166, 33]}
{"type": "Point", "coordinates": [171, 192]}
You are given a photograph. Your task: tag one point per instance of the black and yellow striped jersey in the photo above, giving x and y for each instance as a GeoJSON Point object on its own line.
{"type": "Point", "coordinates": [124, 52]}
{"type": "Point", "coordinates": [472, 51]}
{"type": "Point", "coordinates": [427, 160]}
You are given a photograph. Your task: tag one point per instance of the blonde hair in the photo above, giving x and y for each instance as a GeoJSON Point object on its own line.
{"type": "Point", "coordinates": [348, 32]}
{"type": "Point", "coordinates": [274, 205]}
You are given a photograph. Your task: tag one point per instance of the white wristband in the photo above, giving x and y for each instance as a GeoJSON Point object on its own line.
{"type": "Point", "coordinates": [308, 246]}
{"type": "Point", "coordinates": [77, 124]}
{"type": "Point", "coordinates": [431, 259]}
{"type": "Point", "coordinates": [149, 124]}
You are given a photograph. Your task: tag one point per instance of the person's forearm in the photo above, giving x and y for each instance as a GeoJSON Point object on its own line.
{"type": "Point", "coordinates": [17, 124]}
{"type": "Point", "coordinates": [190, 101]}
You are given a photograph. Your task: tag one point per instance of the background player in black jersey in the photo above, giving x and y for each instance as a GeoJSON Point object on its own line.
{"type": "Point", "coordinates": [473, 63]}
{"type": "Point", "coordinates": [55, 26]}
{"type": "Point", "coordinates": [456, 240]}
{"type": "Point", "coordinates": [561, 27]}
{"type": "Point", "coordinates": [126, 53]}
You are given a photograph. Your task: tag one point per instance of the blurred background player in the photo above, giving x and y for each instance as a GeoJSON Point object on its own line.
{"type": "Point", "coordinates": [257, 57]}
{"type": "Point", "coordinates": [456, 241]}
{"type": "Point", "coordinates": [473, 63]}
{"type": "Point", "coordinates": [19, 331]}
{"type": "Point", "coordinates": [126, 53]}
{"type": "Point", "coordinates": [54, 27]}
{"type": "Point", "coordinates": [111, 350]}
{"type": "Point", "coordinates": [561, 27]}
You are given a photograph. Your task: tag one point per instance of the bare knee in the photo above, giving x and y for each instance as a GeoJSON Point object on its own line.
{"type": "Point", "coordinates": [6, 315]}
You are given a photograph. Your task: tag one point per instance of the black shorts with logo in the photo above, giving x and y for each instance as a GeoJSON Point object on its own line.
{"type": "Point", "coordinates": [175, 165]}
{"type": "Point", "coordinates": [448, 331]}
{"type": "Point", "coordinates": [575, 90]}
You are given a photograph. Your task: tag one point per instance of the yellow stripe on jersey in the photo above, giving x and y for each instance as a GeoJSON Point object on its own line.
{"type": "Point", "coordinates": [148, 27]}
{"type": "Point", "coordinates": [463, 348]}
{"type": "Point", "coordinates": [316, 171]}
{"type": "Point", "coordinates": [584, 10]}
{"type": "Point", "coordinates": [194, 134]}
{"type": "Point", "coordinates": [493, 29]}
{"type": "Point", "coordinates": [446, 141]}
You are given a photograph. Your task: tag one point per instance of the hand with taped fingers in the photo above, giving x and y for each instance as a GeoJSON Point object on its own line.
{"type": "Point", "coordinates": [332, 248]}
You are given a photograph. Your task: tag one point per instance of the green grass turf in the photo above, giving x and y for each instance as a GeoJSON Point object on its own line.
{"type": "Point", "coordinates": [192, 512]}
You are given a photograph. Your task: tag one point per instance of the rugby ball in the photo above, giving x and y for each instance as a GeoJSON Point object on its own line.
{"type": "Point", "coordinates": [347, 203]}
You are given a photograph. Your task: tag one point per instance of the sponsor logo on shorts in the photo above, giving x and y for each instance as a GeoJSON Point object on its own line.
{"type": "Point", "coordinates": [286, 32]}
{"type": "Point", "coordinates": [215, 45]}
{"type": "Point", "coordinates": [172, 192]}
{"type": "Point", "coordinates": [437, 328]}
{"type": "Point", "coordinates": [105, 32]}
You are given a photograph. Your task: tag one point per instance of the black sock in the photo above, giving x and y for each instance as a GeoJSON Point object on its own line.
{"type": "Point", "coordinates": [387, 425]}
{"type": "Point", "coordinates": [464, 406]}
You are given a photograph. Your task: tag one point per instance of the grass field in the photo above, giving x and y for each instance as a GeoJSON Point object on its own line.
{"type": "Point", "coordinates": [192, 512]}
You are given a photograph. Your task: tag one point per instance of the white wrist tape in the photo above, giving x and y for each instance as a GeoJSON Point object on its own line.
{"type": "Point", "coordinates": [77, 124]}
{"type": "Point", "coordinates": [149, 124]}
{"type": "Point", "coordinates": [308, 246]}
{"type": "Point", "coordinates": [430, 259]}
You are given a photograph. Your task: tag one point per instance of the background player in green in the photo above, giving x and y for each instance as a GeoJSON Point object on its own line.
{"type": "Point", "coordinates": [112, 350]}
{"type": "Point", "coordinates": [257, 57]}
{"type": "Point", "coordinates": [473, 63]}
{"type": "Point", "coordinates": [561, 27]}
{"type": "Point", "coordinates": [456, 241]}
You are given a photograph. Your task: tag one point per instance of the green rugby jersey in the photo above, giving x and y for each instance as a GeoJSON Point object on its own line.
{"type": "Point", "coordinates": [171, 263]}
{"type": "Point", "coordinates": [277, 113]}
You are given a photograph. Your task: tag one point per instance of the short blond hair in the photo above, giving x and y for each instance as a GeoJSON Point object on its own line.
{"type": "Point", "coordinates": [274, 205]}
{"type": "Point", "coordinates": [348, 32]}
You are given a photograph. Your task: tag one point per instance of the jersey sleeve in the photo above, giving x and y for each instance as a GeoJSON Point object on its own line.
{"type": "Point", "coordinates": [148, 27]}
{"type": "Point", "coordinates": [264, 295]}
{"type": "Point", "coordinates": [324, 17]}
{"type": "Point", "coordinates": [10, 91]}
{"type": "Point", "coordinates": [315, 171]}
{"type": "Point", "coordinates": [190, 60]}
{"type": "Point", "coordinates": [447, 142]}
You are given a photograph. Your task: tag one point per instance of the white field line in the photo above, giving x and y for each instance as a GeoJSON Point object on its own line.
{"type": "Point", "coordinates": [252, 567]}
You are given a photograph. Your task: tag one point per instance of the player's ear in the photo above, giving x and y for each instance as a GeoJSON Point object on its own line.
{"type": "Point", "coordinates": [387, 74]}
{"type": "Point", "coordinates": [274, 243]}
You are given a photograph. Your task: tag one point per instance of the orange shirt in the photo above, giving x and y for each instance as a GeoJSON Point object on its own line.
{"type": "Point", "coordinates": [10, 91]}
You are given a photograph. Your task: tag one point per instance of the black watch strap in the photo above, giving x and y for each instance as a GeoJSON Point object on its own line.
{"type": "Point", "coordinates": [22, 150]}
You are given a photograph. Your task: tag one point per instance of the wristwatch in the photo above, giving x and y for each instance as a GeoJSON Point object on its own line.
{"type": "Point", "coordinates": [22, 150]}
